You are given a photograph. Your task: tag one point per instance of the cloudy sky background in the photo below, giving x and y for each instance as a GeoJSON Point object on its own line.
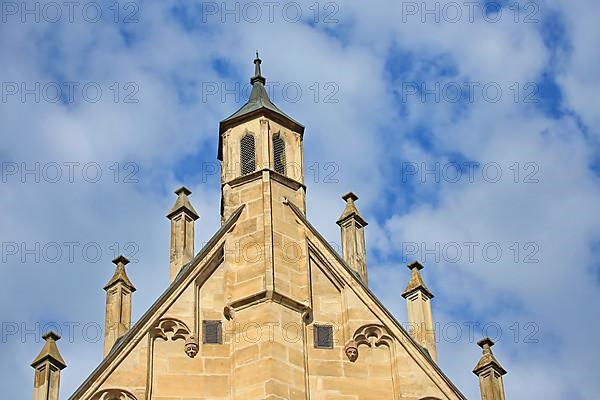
{"type": "Point", "coordinates": [164, 68]}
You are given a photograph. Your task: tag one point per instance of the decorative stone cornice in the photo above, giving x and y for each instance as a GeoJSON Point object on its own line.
{"type": "Point", "coordinates": [230, 309]}
{"type": "Point", "coordinates": [258, 174]}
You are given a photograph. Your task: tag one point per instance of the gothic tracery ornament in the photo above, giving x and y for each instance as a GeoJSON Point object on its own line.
{"type": "Point", "coordinates": [174, 329]}
{"type": "Point", "coordinates": [171, 329]}
{"type": "Point", "coordinates": [372, 335]}
{"type": "Point", "coordinates": [113, 394]}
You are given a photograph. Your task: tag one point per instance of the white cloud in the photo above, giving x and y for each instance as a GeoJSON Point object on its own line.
{"type": "Point", "coordinates": [365, 135]}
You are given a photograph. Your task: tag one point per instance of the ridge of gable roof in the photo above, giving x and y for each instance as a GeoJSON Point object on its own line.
{"type": "Point", "coordinates": [136, 328]}
{"type": "Point", "coordinates": [421, 350]}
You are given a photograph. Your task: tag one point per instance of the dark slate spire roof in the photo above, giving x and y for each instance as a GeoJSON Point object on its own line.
{"type": "Point", "coordinates": [257, 74]}
{"type": "Point", "coordinates": [258, 104]}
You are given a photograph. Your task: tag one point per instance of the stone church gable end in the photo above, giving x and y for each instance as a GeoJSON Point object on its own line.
{"type": "Point", "coordinates": [267, 309]}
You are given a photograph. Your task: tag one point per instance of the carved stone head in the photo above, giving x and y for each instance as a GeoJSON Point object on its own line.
{"type": "Point", "coordinates": [351, 351]}
{"type": "Point", "coordinates": [191, 347]}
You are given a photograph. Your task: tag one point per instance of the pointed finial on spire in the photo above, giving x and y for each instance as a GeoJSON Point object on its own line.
{"type": "Point", "coordinates": [183, 203]}
{"type": "Point", "coordinates": [351, 210]}
{"type": "Point", "coordinates": [257, 72]}
{"type": "Point", "coordinates": [50, 352]}
{"type": "Point", "coordinates": [350, 197]}
{"type": "Point", "coordinates": [416, 282]}
{"type": "Point", "coordinates": [486, 343]}
{"type": "Point", "coordinates": [487, 358]}
{"type": "Point", "coordinates": [120, 275]}
{"type": "Point", "coordinates": [183, 190]}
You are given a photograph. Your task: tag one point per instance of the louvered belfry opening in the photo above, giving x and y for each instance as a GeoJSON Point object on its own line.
{"type": "Point", "coordinates": [247, 155]}
{"type": "Point", "coordinates": [279, 154]}
{"type": "Point", "coordinates": [212, 332]}
{"type": "Point", "coordinates": [323, 336]}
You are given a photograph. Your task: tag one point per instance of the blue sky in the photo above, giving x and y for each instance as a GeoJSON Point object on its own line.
{"type": "Point", "coordinates": [395, 104]}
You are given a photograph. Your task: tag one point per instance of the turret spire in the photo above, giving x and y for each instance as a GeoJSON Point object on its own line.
{"type": "Point", "coordinates": [352, 226]}
{"type": "Point", "coordinates": [418, 302]}
{"type": "Point", "coordinates": [118, 304]}
{"type": "Point", "coordinates": [182, 216]}
{"type": "Point", "coordinates": [47, 365]}
{"type": "Point", "coordinates": [487, 359]}
{"type": "Point", "coordinates": [259, 104]}
{"type": "Point", "coordinates": [490, 372]}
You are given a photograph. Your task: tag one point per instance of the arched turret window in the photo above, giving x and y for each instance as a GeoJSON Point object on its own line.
{"type": "Point", "coordinates": [247, 155]}
{"type": "Point", "coordinates": [279, 154]}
